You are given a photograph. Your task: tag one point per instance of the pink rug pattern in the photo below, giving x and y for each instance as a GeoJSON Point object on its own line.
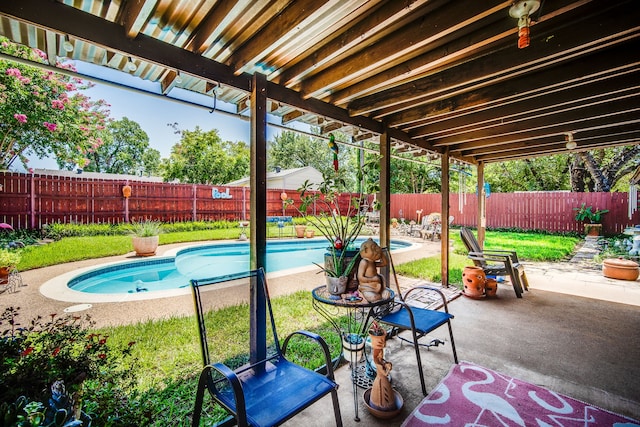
{"type": "Point", "coordinates": [473, 396]}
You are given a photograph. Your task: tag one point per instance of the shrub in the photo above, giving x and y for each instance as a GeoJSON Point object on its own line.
{"type": "Point", "coordinates": [63, 356]}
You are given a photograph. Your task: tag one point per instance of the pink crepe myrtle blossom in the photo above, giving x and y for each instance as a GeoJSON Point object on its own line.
{"type": "Point", "coordinates": [51, 126]}
{"type": "Point", "coordinates": [13, 72]}
{"type": "Point", "coordinates": [22, 118]}
{"type": "Point", "coordinates": [57, 104]}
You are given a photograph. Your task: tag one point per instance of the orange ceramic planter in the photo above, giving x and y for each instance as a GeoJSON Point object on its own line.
{"type": "Point", "coordinates": [491, 288]}
{"type": "Point", "coordinates": [622, 269]}
{"type": "Point", "coordinates": [473, 279]}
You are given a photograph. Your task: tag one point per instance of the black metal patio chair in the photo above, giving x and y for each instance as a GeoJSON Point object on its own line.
{"type": "Point", "coordinates": [496, 262]}
{"type": "Point", "coordinates": [264, 393]}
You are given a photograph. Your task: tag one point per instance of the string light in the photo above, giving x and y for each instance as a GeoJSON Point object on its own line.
{"type": "Point", "coordinates": [131, 66]}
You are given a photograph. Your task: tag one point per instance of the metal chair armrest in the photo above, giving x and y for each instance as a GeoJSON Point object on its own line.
{"type": "Point", "coordinates": [236, 386]}
{"type": "Point", "coordinates": [323, 345]}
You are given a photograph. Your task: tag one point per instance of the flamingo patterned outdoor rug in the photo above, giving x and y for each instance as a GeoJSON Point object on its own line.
{"type": "Point", "coordinates": [473, 396]}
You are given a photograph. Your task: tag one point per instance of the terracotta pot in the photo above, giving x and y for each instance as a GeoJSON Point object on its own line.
{"type": "Point", "coordinates": [473, 279]}
{"type": "Point", "coordinates": [398, 405]}
{"type": "Point", "coordinates": [300, 229]}
{"type": "Point", "coordinates": [4, 275]}
{"type": "Point", "coordinates": [491, 287]}
{"type": "Point", "coordinates": [592, 229]}
{"type": "Point", "coordinates": [145, 246]}
{"type": "Point", "coordinates": [622, 269]}
{"type": "Point", "coordinates": [310, 233]}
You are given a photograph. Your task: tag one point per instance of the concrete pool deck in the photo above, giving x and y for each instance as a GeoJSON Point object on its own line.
{"type": "Point", "coordinates": [46, 290]}
{"type": "Point", "coordinates": [572, 278]}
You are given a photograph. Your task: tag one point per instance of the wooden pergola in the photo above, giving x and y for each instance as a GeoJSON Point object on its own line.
{"type": "Point", "coordinates": [434, 78]}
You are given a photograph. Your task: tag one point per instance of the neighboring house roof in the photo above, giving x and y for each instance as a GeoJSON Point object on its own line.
{"type": "Point", "coordinates": [287, 179]}
{"type": "Point", "coordinates": [97, 175]}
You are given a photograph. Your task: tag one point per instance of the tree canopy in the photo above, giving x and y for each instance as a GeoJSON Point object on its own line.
{"type": "Point", "coordinates": [203, 158]}
{"type": "Point", "coordinates": [596, 170]}
{"type": "Point", "coordinates": [125, 149]}
{"type": "Point", "coordinates": [43, 113]}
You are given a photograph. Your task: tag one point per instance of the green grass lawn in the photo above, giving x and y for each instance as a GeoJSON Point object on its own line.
{"type": "Point", "coordinates": [529, 246]}
{"type": "Point", "coordinates": [168, 350]}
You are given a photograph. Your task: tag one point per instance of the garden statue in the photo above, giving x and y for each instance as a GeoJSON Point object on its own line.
{"type": "Point", "coordinates": [381, 399]}
{"type": "Point", "coordinates": [371, 284]}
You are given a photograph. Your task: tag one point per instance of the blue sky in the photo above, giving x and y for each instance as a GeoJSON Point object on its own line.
{"type": "Point", "coordinates": [153, 113]}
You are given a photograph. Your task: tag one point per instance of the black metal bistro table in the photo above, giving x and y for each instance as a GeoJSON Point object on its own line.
{"type": "Point", "coordinates": [352, 331]}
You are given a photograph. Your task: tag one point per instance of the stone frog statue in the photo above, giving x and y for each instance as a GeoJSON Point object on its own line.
{"type": "Point", "coordinates": [371, 284]}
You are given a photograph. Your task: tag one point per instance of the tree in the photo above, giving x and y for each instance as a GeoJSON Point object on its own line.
{"type": "Point", "coordinates": [203, 158]}
{"type": "Point", "coordinates": [151, 162]}
{"type": "Point", "coordinates": [295, 150]}
{"type": "Point", "coordinates": [602, 170]}
{"type": "Point", "coordinates": [43, 113]}
{"type": "Point", "coordinates": [595, 170]}
{"type": "Point", "coordinates": [548, 173]}
{"type": "Point", "coordinates": [123, 150]}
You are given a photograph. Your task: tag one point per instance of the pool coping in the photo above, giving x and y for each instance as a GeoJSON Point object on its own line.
{"type": "Point", "coordinates": [57, 289]}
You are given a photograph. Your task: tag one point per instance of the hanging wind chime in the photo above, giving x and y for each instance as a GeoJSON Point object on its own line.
{"type": "Point", "coordinates": [334, 147]}
{"type": "Point", "coordinates": [462, 195]}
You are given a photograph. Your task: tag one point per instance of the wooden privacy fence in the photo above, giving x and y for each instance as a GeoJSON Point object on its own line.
{"type": "Point", "coordinates": [31, 201]}
{"type": "Point", "coordinates": [536, 210]}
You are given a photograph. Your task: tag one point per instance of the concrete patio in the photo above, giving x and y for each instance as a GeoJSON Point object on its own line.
{"type": "Point", "coordinates": [575, 332]}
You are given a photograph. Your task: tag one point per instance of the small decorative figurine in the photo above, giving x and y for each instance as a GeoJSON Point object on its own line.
{"type": "Point", "coordinates": [371, 284]}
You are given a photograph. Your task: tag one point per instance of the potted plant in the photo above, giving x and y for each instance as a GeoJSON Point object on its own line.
{"type": "Point", "coordinates": [8, 261]}
{"type": "Point", "coordinates": [300, 230]}
{"type": "Point", "coordinates": [145, 236]}
{"type": "Point", "coordinates": [591, 217]}
{"type": "Point", "coordinates": [340, 221]}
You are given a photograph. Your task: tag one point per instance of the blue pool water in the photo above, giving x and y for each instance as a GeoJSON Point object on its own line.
{"type": "Point", "coordinates": [198, 263]}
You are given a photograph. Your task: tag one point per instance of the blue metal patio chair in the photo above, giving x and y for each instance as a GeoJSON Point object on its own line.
{"type": "Point", "coordinates": [264, 393]}
{"type": "Point", "coordinates": [403, 315]}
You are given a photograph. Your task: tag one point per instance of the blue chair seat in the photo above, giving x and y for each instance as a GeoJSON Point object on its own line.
{"type": "Point", "coordinates": [425, 320]}
{"type": "Point", "coordinates": [282, 388]}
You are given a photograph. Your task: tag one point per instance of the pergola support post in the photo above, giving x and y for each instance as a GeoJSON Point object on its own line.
{"type": "Point", "coordinates": [385, 193]}
{"type": "Point", "coordinates": [258, 224]}
{"type": "Point", "coordinates": [482, 206]}
{"type": "Point", "coordinates": [444, 216]}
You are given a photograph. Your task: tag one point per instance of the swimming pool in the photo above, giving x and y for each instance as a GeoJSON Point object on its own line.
{"type": "Point", "coordinates": [167, 273]}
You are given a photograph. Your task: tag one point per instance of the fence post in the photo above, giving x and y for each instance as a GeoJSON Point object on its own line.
{"type": "Point", "coordinates": [195, 202]}
{"type": "Point", "coordinates": [32, 204]}
{"type": "Point", "coordinates": [126, 201]}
